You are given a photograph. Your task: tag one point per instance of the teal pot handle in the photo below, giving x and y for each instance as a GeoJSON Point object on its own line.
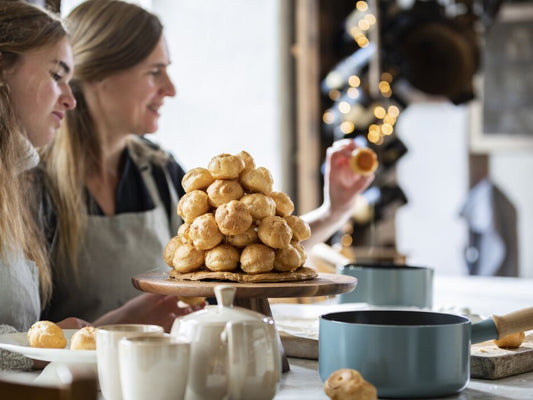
{"type": "Point", "coordinates": [500, 326]}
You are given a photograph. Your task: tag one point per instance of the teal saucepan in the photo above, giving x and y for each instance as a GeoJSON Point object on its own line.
{"type": "Point", "coordinates": [389, 285]}
{"type": "Point", "coordinates": [409, 354]}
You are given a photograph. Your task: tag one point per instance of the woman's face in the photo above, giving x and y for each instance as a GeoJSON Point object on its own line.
{"type": "Point", "coordinates": [130, 100]}
{"type": "Point", "coordinates": [39, 90]}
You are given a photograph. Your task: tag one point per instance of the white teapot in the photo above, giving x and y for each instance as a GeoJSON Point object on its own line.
{"type": "Point", "coordinates": [235, 352]}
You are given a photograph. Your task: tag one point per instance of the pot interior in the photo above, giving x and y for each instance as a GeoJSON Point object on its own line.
{"type": "Point", "coordinates": [384, 266]}
{"type": "Point", "coordinates": [395, 318]}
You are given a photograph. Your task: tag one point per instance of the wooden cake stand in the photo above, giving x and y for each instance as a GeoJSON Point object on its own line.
{"type": "Point", "coordinates": [253, 296]}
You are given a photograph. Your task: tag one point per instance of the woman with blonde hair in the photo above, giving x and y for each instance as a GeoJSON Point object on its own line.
{"type": "Point", "coordinates": [112, 194]}
{"type": "Point", "coordinates": [35, 67]}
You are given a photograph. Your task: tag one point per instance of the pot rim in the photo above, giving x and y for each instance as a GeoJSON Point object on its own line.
{"type": "Point", "coordinates": [406, 318]}
{"type": "Point", "coordinates": [381, 266]}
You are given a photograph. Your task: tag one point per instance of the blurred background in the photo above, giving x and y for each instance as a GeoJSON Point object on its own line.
{"type": "Point", "coordinates": [441, 90]}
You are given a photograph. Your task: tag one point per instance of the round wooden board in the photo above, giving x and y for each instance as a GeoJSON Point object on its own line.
{"type": "Point", "coordinates": [323, 285]}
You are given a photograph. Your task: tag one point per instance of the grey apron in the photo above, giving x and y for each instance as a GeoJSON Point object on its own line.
{"type": "Point", "coordinates": [115, 248]}
{"type": "Point", "coordinates": [19, 293]}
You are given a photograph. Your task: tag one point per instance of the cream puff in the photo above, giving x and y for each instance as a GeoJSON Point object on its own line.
{"type": "Point", "coordinates": [257, 180]}
{"type": "Point", "coordinates": [257, 259]}
{"type": "Point", "coordinates": [204, 233]}
{"type": "Point", "coordinates": [192, 205]}
{"type": "Point", "coordinates": [274, 232]}
{"type": "Point", "coordinates": [196, 178]}
{"type": "Point", "coordinates": [223, 191]}
{"type": "Point", "coordinates": [46, 334]}
{"type": "Point", "coordinates": [233, 218]}
{"type": "Point", "coordinates": [225, 166]}
{"type": "Point", "coordinates": [224, 257]}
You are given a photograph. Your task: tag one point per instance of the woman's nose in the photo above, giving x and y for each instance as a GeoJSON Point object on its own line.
{"type": "Point", "coordinates": [67, 99]}
{"type": "Point", "coordinates": [168, 87]}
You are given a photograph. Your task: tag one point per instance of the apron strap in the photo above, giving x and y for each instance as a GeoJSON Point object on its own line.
{"type": "Point", "coordinates": [175, 221]}
{"type": "Point", "coordinates": [140, 154]}
{"type": "Point", "coordinates": [146, 172]}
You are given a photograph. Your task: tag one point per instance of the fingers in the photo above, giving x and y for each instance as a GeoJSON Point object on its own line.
{"type": "Point", "coordinates": [73, 323]}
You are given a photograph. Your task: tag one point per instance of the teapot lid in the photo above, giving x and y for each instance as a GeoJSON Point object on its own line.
{"type": "Point", "coordinates": [225, 311]}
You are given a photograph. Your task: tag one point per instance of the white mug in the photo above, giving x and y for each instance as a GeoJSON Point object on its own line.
{"type": "Point", "coordinates": [155, 367]}
{"type": "Point", "coordinates": [107, 339]}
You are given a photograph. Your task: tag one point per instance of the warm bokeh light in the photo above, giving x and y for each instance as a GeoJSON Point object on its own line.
{"type": "Point", "coordinates": [344, 107]}
{"type": "Point", "coordinates": [394, 111]}
{"type": "Point", "coordinates": [356, 32]}
{"type": "Point", "coordinates": [353, 93]}
{"type": "Point", "coordinates": [389, 119]}
{"type": "Point", "coordinates": [346, 240]}
{"type": "Point", "coordinates": [379, 112]}
{"type": "Point", "coordinates": [334, 94]}
{"type": "Point", "coordinates": [384, 86]}
{"type": "Point", "coordinates": [373, 137]}
{"type": "Point", "coordinates": [361, 6]}
{"type": "Point", "coordinates": [370, 18]}
{"type": "Point", "coordinates": [362, 41]}
{"type": "Point", "coordinates": [347, 127]}
{"type": "Point", "coordinates": [373, 128]}
{"type": "Point", "coordinates": [363, 24]}
{"type": "Point", "coordinates": [354, 81]}
{"type": "Point", "coordinates": [386, 76]}
{"type": "Point", "coordinates": [328, 117]}
{"type": "Point", "coordinates": [387, 129]}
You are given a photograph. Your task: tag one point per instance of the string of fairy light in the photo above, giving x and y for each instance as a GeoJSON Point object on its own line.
{"type": "Point", "coordinates": [377, 120]}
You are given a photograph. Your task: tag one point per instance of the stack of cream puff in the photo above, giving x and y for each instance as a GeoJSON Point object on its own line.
{"type": "Point", "coordinates": [235, 222]}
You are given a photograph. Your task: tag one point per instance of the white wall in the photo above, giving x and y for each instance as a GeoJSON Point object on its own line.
{"type": "Point", "coordinates": [513, 173]}
{"type": "Point", "coordinates": [225, 62]}
{"type": "Point", "coordinates": [434, 176]}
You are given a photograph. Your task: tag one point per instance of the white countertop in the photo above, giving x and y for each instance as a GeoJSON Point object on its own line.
{"type": "Point", "coordinates": [478, 295]}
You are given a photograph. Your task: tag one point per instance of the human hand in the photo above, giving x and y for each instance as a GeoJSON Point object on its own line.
{"type": "Point", "coordinates": [72, 323]}
{"type": "Point", "coordinates": [148, 308]}
{"type": "Point", "coordinates": [341, 184]}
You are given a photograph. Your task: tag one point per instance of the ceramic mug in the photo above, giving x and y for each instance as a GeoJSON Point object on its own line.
{"type": "Point", "coordinates": [153, 367]}
{"type": "Point", "coordinates": [107, 339]}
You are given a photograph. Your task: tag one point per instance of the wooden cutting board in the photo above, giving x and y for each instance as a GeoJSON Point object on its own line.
{"type": "Point", "coordinates": [488, 361]}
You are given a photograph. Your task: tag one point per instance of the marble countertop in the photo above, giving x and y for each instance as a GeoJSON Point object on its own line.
{"type": "Point", "coordinates": [303, 382]}
{"type": "Point", "coordinates": [477, 295]}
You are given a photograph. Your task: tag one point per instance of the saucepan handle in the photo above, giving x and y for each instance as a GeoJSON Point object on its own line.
{"type": "Point", "coordinates": [501, 325]}
{"type": "Point", "coordinates": [517, 321]}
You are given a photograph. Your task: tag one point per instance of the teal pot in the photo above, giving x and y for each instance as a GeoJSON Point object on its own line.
{"type": "Point", "coordinates": [409, 354]}
{"type": "Point", "coordinates": [389, 285]}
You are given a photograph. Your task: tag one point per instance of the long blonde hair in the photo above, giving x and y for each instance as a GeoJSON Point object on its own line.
{"type": "Point", "coordinates": [23, 27]}
{"type": "Point", "coordinates": [107, 36]}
